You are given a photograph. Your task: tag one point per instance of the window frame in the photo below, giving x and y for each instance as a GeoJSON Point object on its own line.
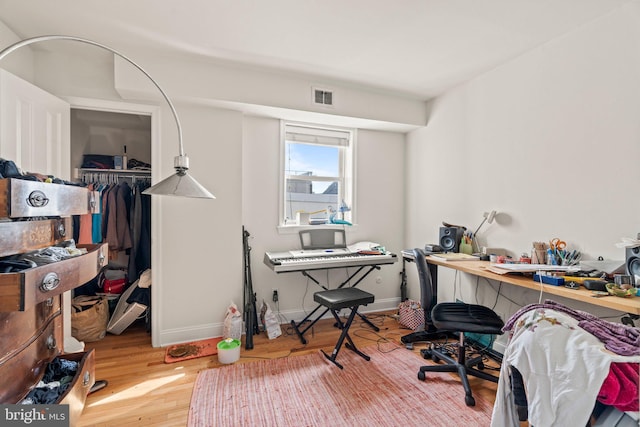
{"type": "Point", "coordinates": [346, 166]}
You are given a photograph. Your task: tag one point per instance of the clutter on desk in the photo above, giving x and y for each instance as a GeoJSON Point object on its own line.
{"type": "Point", "coordinates": [466, 243]}
{"type": "Point", "coordinates": [432, 247]}
{"type": "Point", "coordinates": [620, 291]}
{"type": "Point", "coordinates": [628, 242]}
{"type": "Point", "coordinates": [539, 253]}
{"type": "Point", "coordinates": [554, 253]}
{"type": "Point", "coordinates": [596, 281]}
{"type": "Point", "coordinates": [592, 284]}
{"type": "Point", "coordinates": [610, 267]}
{"type": "Point", "coordinates": [549, 279]}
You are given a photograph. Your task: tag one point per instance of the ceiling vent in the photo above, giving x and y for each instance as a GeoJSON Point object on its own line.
{"type": "Point", "coordinates": [322, 97]}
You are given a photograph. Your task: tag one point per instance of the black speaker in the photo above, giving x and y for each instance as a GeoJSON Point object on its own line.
{"type": "Point", "coordinates": [633, 264]}
{"type": "Point", "coordinates": [450, 238]}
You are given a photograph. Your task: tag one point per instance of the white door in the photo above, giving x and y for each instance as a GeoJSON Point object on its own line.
{"type": "Point", "coordinates": [35, 134]}
{"type": "Point", "coordinates": [34, 127]}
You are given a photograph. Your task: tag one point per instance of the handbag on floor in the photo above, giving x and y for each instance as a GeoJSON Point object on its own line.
{"type": "Point", "coordinates": [411, 314]}
{"type": "Point", "coordinates": [89, 318]}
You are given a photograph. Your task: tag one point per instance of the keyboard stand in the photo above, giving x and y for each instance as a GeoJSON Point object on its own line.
{"type": "Point", "coordinates": [296, 326]}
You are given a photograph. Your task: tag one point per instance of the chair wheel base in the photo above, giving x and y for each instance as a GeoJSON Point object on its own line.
{"type": "Point", "coordinates": [469, 400]}
{"type": "Point", "coordinates": [421, 376]}
{"type": "Point", "coordinates": [426, 353]}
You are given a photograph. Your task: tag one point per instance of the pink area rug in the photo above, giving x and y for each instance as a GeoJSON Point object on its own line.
{"type": "Point", "coordinates": [311, 391]}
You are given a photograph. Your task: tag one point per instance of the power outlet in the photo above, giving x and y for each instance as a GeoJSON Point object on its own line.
{"type": "Point", "coordinates": [274, 295]}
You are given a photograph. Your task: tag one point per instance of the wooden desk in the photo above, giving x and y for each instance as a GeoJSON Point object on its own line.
{"type": "Point", "coordinates": [479, 268]}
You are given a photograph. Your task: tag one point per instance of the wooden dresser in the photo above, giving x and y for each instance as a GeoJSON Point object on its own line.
{"type": "Point", "coordinates": [36, 215]}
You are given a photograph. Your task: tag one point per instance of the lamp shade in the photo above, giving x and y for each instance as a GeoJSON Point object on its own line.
{"type": "Point", "coordinates": [180, 184]}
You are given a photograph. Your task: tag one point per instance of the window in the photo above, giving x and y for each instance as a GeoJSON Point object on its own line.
{"type": "Point", "coordinates": [317, 174]}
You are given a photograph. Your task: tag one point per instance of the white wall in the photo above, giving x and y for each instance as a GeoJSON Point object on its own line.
{"type": "Point", "coordinates": [200, 240]}
{"type": "Point", "coordinates": [19, 62]}
{"type": "Point", "coordinates": [551, 140]}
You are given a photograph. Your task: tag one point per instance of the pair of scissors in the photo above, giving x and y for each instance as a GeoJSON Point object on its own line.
{"type": "Point", "coordinates": [557, 245]}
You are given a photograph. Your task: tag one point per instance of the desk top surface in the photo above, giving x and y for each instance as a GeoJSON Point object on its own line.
{"type": "Point", "coordinates": [479, 268]}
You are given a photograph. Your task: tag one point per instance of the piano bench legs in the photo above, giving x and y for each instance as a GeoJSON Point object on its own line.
{"type": "Point", "coordinates": [336, 299]}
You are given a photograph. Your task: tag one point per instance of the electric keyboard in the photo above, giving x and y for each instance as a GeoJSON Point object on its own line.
{"type": "Point", "coordinates": [281, 262]}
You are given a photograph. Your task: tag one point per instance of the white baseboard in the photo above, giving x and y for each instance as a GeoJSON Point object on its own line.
{"type": "Point", "coordinates": [202, 332]}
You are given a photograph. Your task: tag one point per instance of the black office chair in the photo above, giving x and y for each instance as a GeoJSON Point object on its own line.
{"type": "Point", "coordinates": [428, 299]}
{"type": "Point", "coordinates": [461, 317]}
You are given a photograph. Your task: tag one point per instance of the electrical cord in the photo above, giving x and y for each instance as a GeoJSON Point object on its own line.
{"type": "Point", "coordinates": [304, 296]}
{"type": "Point", "coordinates": [455, 285]}
{"type": "Point", "coordinates": [362, 331]}
{"type": "Point", "coordinates": [503, 296]}
{"type": "Point", "coordinates": [541, 287]}
{"type": "Point", "coordinates": [495, 303]}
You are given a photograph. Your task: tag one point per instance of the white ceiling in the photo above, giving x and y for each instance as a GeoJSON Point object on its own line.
{"type": "Point", "coordinates": [416, 48]}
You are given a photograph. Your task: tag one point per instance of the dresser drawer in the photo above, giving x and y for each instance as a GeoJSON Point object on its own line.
{"type": "Point", "coordinates": [19, 291]}
{"type": "Point", "coordinates": [20, 327]}
{"type": "Point", "coordinates": [20, 199]}
{"type": "Point", "coordinates": [24, 236]}
{"type": "Point", "coordinates": [34, 342]}
{"type": "Point", "coordinates": [76, 395]}
{"type": "Point", "coordinates": [22, 370]}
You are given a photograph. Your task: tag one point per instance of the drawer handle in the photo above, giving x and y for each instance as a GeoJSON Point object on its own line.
{"type": "Point", "coordinates": [50, 282]}
{"type": "Point", "coordinates": [37, 199]}
{"type": "Point", "coordinates": [51, 342]}
{"type": "Point", "coordinates": [86, 379]}
{"type": "Point", "coordinates": [62, 230]}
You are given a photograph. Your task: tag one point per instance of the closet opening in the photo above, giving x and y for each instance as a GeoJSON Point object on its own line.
{"type": "Point", "coordinates": [111, 152]}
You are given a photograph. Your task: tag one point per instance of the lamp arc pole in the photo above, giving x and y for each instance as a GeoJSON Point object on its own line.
{"type": "Point", "coordinates": [181, 184]}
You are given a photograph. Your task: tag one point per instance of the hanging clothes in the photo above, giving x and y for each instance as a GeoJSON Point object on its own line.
{"type": "Point", "coordinates": [85, 236]}
{"type": "Point", "coordinates": [140, 224]}
{"type": "Point", "coordinates": [124, 218]}
{"type": "Point", "coordinates": [96, 218]}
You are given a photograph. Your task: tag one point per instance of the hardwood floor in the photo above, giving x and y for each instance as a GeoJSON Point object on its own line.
{"type": "Point", "coordinates": [145, 391]}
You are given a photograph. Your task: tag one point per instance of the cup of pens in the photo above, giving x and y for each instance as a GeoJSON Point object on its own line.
{"type": "Point", "coordinates": [539, 253]}
{"type": "Point", "coordinates": [466, 243]}
{"type": "Point", "coordinates": [570, 257]}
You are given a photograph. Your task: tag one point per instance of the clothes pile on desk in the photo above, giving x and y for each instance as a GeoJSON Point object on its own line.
{"type": "Point", "coordinates": [568, 360]}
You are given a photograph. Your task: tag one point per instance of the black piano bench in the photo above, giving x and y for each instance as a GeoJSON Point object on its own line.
{"type": "Point", "coordinates": [337, 299]}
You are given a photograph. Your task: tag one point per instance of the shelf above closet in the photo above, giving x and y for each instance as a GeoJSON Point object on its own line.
{"type": "Point", "coordinates": [117, 171]}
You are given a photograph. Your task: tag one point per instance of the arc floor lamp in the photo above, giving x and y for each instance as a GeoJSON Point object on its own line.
{"type": "Point", "coordinates": [180, 184]}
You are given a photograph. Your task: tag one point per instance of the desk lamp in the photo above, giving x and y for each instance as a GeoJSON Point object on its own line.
{"type": "Point", "coordinates": [488, 217]}
{"type": "Point", "coordinates": [180, 184]}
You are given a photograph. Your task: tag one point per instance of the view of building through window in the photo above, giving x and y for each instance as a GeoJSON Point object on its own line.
{"type": "Point", "coordinates": [314, 174]}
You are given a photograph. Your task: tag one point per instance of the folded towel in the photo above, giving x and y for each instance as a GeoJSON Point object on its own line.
{"type": "Point", "coordinates": [620, 388]}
